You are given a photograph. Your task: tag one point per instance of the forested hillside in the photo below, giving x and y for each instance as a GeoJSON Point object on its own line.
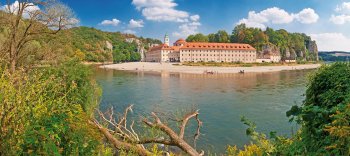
{"type": "Point", "coordinates": [94, 45]}
{"type": "Point", "coordinates": [291, 45]}
{"type": "Point", "coordinates": [334, 56]}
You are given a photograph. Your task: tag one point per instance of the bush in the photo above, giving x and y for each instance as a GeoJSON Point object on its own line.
{"type": "Point", "coordinates": [325, 111]}
{"type": "Point", "coordinates": [46, 112]}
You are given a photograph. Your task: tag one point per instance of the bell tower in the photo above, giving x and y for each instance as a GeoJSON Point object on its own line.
{"type": "Point", "coordinates": [166, 40]}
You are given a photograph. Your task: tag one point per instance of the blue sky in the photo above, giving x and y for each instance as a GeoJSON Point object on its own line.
{"type": "Point", "coordinates": [327, 21]}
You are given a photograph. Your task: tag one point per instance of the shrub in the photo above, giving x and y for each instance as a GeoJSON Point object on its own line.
{"type": "Point", "coordinates": [46, 112]}
{"type": "Point", "coordinates": [325, 111]}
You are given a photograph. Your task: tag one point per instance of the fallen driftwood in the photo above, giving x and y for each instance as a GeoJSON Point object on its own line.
{"type": "Point", "coordinates": [124, 137]}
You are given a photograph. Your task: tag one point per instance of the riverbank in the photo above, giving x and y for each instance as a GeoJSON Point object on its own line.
{"type": "Point", "coordinates": [173, 68]}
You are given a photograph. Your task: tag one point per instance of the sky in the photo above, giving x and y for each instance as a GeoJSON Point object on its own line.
{"type": "Point", "coordinates": [326, 21]}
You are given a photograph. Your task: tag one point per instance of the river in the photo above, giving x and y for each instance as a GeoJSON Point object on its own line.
{"type": "Point", "coordinates": [221, 99]}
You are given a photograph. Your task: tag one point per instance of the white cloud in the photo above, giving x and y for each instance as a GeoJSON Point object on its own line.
{"type": "Point", "coordinates": [187, 29]}
{"type": "Point", "coordinates": [252, 23]}
{"type": "Point", "coordinates": [340, 19]}
{"type": "Point", "coordinates": [344, 16]}
{"type": "Point", "coordinates": [161, 10]}
{"type": "Point", "coordinates": [307, 16]}
{"type": "Point", "coordinates": [135, 23]}
{"type": "Point", "coordinates": [165, 11]}
{"type": "Point", "coordinates": [153, 3]}
{"type": "Point", "coordinates": [344, 7]}
{"type": "Point", "coordinates": [165, 14]}
{"type": "Point", "coordinates": [331, 41]}
{"type": "Point", "coordinates": [13, 8]}
{"type": "Point", "coordinates": [113, 22]}
{"type": "Point", "coordinates": [128, 31]}
{"type": "Point", "coordinates": [195, 17]}
{"type": "Point", "coordinates": [278, 16]}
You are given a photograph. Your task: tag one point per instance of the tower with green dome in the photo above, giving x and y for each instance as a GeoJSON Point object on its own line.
{"type": "Point", "coordinates": [166, 40]}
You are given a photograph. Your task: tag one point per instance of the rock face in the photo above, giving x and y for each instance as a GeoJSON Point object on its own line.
{"type": "Point", "coordinates": [268, 49]}
{"type": "Point", "coordinates": [308, 53]}
{"type": "Point", "coordinates": [292, 55]}
{"type": "Point", "coordinates": [140, 47]}
{"type": "Point", "coordinates": [109, 46]}
{"type": "Point", "coordinates": [313, 50]}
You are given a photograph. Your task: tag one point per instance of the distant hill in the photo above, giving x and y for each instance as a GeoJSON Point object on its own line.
{"type": "Point", "coordinates": [99, 46]}
{"type": "Point", "coordinates": [334, 56]}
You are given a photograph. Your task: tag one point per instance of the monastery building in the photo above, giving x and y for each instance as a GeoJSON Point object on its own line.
{"type": "Point", "coordinates": [183, 51]}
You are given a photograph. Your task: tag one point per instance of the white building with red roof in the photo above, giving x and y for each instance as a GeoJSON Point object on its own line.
{"type": "Point", "coordinates": [183, 51]}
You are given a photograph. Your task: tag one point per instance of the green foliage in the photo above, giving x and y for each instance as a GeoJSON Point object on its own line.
{"type": "Point", "coordinates": [197, 38]}
{"type": "Point", "coordinates": [220, 37]}
{"type": "Point", "coordinates": [254, 36]}
{"type": "Point", "coordinates": [327, 98]}
{"type": "Point", "coordinates": [93, 43]}
{"type": "Point", "coordinates": [126, 52]}
{"type": "Point", "coordinates": [46, 112]}
{"type": "Point", "coordinates": [83, 91]}
{"type": "Point", "coordinates": [291, 45]}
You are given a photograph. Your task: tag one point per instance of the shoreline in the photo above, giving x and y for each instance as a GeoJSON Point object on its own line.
{"type": "Point", "coordinates": [168, 67]}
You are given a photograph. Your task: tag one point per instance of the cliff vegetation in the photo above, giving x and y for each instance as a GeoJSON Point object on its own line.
{"type": "Point", "coordinates": [291, 46]}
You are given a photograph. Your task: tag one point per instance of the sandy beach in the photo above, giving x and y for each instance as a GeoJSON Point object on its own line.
{"type": "Point", "coordinates": [168, 67]}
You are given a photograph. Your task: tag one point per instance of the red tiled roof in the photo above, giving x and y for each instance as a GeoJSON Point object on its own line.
{"type": "Point", "coordinates": [180, 41]}
{"type": "Point", "coordinates": [204, 46]}
{"type": "Point", "coordinates": [218, 46]}
{"type": "Point", "coordinates": [164, 47]}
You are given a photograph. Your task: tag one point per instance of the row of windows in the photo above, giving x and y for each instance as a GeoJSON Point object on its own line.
{"type": "Point", "coordinates": [217, 51]}
{"type": "Point", "coordinates": [206, 59]}
{"type": "Point", "coordinates": [218, 55]}
{"type": "Point", "coordinates": [218, 46]}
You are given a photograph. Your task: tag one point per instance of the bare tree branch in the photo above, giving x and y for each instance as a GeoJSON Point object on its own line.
{"type": "Point", "coordinates": [128, 137]}
{"type": "Point", "coordinates": [184, 122]}
{"type": "Point", "coordinates": [178, 141]}
{"type": "Point", "coordinates": [120, 144]}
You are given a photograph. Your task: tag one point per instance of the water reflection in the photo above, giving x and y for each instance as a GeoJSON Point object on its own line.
{"type": "Point", "coordinates": [222, 99]}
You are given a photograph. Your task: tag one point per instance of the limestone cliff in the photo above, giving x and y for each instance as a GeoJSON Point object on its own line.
{"type": "Point", "coordinates": [313, 50]}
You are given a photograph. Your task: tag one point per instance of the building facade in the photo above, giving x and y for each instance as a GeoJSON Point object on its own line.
{"type": "Point", "coordinates": [183, 51]}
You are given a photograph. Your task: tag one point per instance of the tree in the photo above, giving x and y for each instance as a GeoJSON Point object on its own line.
{"type": "Point", "coordinates": [197, 38]}
{"type": "Point", "coordinates": [222, 37]}
{"type": "Point", "coordinates": [238, 34]}
{"type": "Point", "coordinates": [211, 37]}
{"type": "Point", "coordinates": [324, 115]}
{"type": "Point", "coordinates": [135, 57]}
{"type": "Point", "coordinates": [25, 22]}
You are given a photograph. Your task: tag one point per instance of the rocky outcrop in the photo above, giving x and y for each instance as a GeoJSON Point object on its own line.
{"type": "Point", "coordinates": [313, 50]}
{"type": "Point", "coordinates": [109, 46]}
{"type": "Point", "coordinates": [267, 50]}
{"type": "Point", "coordinates": [309, 53]}
{"type": "Point", "coordinates": [140, 47]}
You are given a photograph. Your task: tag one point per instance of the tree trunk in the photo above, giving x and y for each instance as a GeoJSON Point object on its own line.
{"type": "Point", "coordinates": [13, 65]}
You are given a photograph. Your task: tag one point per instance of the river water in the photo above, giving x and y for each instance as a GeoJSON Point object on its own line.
{"type": "Point", "coordinates": [221, 99]}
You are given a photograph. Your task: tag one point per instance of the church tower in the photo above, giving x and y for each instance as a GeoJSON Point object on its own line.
{"type": "Point", "coordinates": [166, 40]}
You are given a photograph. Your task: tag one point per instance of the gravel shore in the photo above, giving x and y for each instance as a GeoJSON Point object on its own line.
{"type": "Point", "coordinates": [168, 67]}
